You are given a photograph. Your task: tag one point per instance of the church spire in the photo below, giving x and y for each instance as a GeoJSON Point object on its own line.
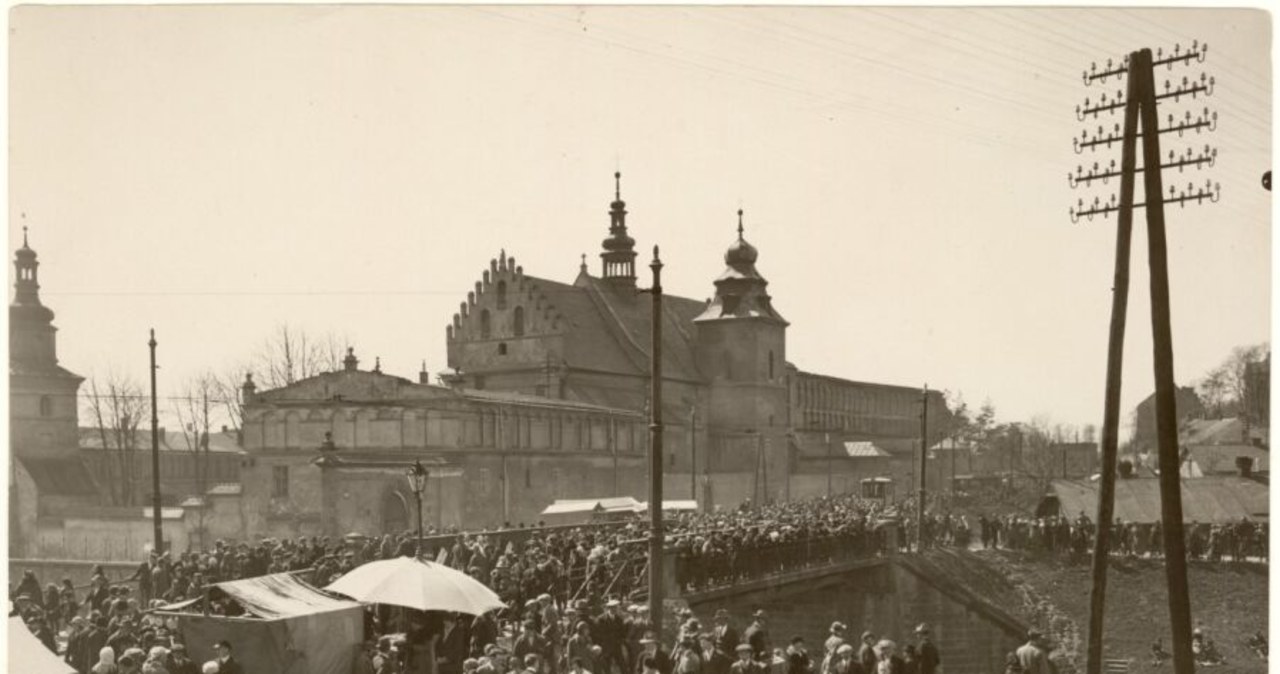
{"type": "Point", "coordinates": [26, 287]}
{"type": "Point", "coordinates": [619, 256]}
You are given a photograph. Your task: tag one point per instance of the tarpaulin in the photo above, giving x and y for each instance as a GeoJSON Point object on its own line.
{"type": "Point", "coordinates": [281, 595]}
{"type": "Point", "coordinates": [320, 643]}
{"type": "Point", "coordinates": [29, 656]}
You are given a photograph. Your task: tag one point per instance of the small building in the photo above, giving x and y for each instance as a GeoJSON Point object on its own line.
{"type": "Point", "coordinates": [1216, 499]}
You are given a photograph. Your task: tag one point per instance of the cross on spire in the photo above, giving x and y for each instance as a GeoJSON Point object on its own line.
{"type": "Point", "coordinates": [617, 185]}
{"type": "Point", "coordinates": [739, 223]}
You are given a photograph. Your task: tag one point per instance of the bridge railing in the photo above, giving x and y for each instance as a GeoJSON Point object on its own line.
{"type": "Point", "coordinates": [700, 571]}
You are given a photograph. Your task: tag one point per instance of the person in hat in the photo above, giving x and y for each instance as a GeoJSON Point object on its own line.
{"type": "Point", "coordinates": [867, 653]}
{"type": "Point", "coordinates": [610, 632]}
{"type": "Point", "coordinates": [581, 647]}
{"type": "Point", "coordinates": [530, 642]}
{"type": "Point", "coordinates": [835, 639]}
{"type": "Point", "coordinates": [652, 651]}
{"type": "Point", "coordinates": [929, 657]}
{"type": "Point", "coordinates": [727, 638]}
{"type": "Point", "coordinates": [887, 659]}
{"type": "Point", "coordinates": [226, 661]}
{"type": "Point", "coordinates": [180, 662]}
{"type": "Point", "coordinates": [798, 660]}
{"type": "Point", "coordinates": [687, 658]}
{"type": "Point", "coordinates": [1032, 657]}
{"type": "Point", "coordinates": [845, 661]}
{"type": "Point", "coordinates": [745, 664]}
{"type": "Point", "coordinates": [757, 636]}
{"type": "Point", "coordinates": [715, 659]}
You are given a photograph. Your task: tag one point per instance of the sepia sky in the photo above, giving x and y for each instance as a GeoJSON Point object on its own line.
{"type": "Point", "coordinates": [213, 172]}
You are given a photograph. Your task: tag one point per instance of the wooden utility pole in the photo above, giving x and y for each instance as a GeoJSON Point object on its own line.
{"type": "Point", "coordinates": [924, 457]}
{"type": "Point", "coordinates": [655, 449]}
{"type": "Point", "coordinates": [155, 450]}
{"type": "Point", "coordinates": [1140, 107]}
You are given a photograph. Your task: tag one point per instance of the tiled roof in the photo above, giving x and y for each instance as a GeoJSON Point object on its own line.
{"type": "Point", "coordinates": [18, 368]}
{"type": "Point", "coordinates": [1206, 499]}
{"type": "Point", "coordinates": [91, 438]}
{"type": "Point", "coordinates": [594, 308]}
{"type": "Point", "coordinates": [59, 476]}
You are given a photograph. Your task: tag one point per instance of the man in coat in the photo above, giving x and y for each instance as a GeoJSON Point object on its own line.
{"type": "Point", "coordinates": [757, 637]}
{"type": "Point", "coordinates": [726, 636]}
{"type": "Point", "coordinates": [610, 635]}
{"type": "Point", "coordinates": [929, 657]}
{"type": "Point", "coordinates": [1032, 656]}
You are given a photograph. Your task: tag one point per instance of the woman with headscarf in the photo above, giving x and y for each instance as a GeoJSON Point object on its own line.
{"type": "Point", "coordinates": [157, 661]}
{"type": "Point", "coordinates": [106, 662]}
{"type": "Point", "coordinates": [887, 660]}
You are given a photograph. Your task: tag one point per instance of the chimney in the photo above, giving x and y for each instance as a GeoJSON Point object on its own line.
{"type": "Point", "coordinates": [424, 377]}
{"type": "Point", "coordinates": [224, 428]}
{"type": "Point", "coordinates": [1245, 465]}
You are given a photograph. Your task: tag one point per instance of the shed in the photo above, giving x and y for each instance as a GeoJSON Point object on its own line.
{"type": "Point", "coordinates": [288, 627]}
{"type": "Point", "coordinates": [1204, 499]}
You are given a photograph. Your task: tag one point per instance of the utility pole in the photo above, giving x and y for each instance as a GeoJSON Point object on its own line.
{"type": "Point", "coordinates": [924, 457]}
{"type": "Point", "coordinates": [155, 450]}
{"type": "Point", "coordinates": [693, 454]}
{"type": "Point", "coordinates": [829, 466]}
{"type": "Point", "coordinates": [655, 449]}
{"type": "Point", "coordinates": [1139, 105]}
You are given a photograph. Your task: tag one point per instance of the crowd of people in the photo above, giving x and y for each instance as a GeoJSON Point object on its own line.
{"type": "Point", "coordinates": [551, 579]}
{"type": "Point", "coordinates": [1236, 541]}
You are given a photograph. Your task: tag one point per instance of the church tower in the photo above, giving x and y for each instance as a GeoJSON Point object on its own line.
{"type": "Point", "coordinates": [619, 256]}
{"type": "Point", "coordinates": [43, 416]}
{"type": "Point", "coordinates": [741, 349]}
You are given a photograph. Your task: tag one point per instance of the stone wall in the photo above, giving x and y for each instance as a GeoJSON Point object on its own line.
{"type": "Point", "coordinates": [885, 598]}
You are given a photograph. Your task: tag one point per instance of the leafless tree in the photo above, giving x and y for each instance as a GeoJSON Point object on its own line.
{"type": "Point", "coordinates": [200, 394]}
{"type": "Point", "coordinates": [290, 355]}
{"type": "Point", "coordinates": [117, 406]}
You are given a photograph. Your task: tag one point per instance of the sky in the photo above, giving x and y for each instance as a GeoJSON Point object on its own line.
{"type": "Point", "coordinates": [216, 172]}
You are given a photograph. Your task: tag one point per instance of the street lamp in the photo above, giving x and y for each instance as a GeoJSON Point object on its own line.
{"type": "Point", "coordinates": [418, 483]}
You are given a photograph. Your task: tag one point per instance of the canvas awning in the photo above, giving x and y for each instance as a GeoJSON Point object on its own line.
{"type": "Point", "coordinates": [276, 596]}
{"type": "Point", "coordinates": [605, 505]}
{"type": "Point", "coordinates": [29, 656]}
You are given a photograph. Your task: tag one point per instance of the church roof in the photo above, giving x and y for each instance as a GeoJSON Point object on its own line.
{"type": "Point", "coordinates": [594, 308]}
{"type": "Point", "coordinates": [59, 476]}
{"type": "Point", "coordinates": [21, 368]}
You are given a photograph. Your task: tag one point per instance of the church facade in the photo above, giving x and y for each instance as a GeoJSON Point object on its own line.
{"type": "Point", "coordinates": [547, 398]}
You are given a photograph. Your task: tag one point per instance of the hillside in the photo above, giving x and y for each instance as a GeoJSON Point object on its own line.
{"type": "Point", "coordinates": [1229, 602]}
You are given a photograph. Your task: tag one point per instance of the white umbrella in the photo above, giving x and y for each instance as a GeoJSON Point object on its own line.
{"type": "Point", "coordinates": [418, 584]}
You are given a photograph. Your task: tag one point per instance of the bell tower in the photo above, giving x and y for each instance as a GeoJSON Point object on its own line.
{"type": "Point", "coordinates": [619, 256]}
{"type": "Point", "coordinates": [43, 416]}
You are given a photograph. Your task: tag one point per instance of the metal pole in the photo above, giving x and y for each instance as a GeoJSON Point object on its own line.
{"type": "Point", "coordinates": [693, 460]}
{"type": "Point", "coordinates": [1115, 360]}
{"type": "Point", "coordinates": [155, 450]}
{"type": "Point", "coordinates": [924, 457]}
{"type": "Point", "coordinates": [417, 495]}
{"type": "Point", "coordinates": [829, 465]}
{"type": "Point", "coordinates": [655, 449]}
{"type": "Point", "coordinates": [1166, 411]}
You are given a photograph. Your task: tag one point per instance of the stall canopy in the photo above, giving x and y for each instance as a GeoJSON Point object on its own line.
{"type": "Point", "coordinates": [29, 656]}
{"type": "Point", "coordinates": [289, 626]}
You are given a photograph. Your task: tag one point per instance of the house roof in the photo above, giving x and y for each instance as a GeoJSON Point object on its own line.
{"type": "Point", "coordinates": [1222, 458]}
{"type": "Point", "coordinates": [177, 441]}
{"type": "Point", "coordinates": [1206, 499]}
{"type": "Point", "coordinates": [864, 450]}
{"type": "Point", "coordinates": [1211, 431]}
{"type": "Point", "coordinates": [59, 476]}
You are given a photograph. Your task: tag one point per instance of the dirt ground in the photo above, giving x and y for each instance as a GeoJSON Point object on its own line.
{"type": "Point", "coordinates": [1228, 601]}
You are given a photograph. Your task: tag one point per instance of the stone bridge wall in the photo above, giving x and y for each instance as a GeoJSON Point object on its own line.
{"type": "Point", "coordinates": [882, 596]}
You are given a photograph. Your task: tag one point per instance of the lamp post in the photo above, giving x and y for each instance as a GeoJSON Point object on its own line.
{"type": "Point", "coordinates": [418, 483]}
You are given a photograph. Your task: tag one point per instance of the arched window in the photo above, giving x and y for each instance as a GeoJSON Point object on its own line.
{"type": "Point", "coordinates": [484, 324]}
{"type": "Point", "coordinates": [518, 322]}
{"type": "Point", "coordinates": [46, 406]}
{"type": "Point", "coordinates": [502, 294]}
{"type": "Point", "coordinates": [502, 348]}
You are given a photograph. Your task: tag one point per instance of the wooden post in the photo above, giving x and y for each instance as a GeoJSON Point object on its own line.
{"type": "Point", "coordinates": [1175, 562]}
{"type": "Point", "coordinates": [1111, 408]}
